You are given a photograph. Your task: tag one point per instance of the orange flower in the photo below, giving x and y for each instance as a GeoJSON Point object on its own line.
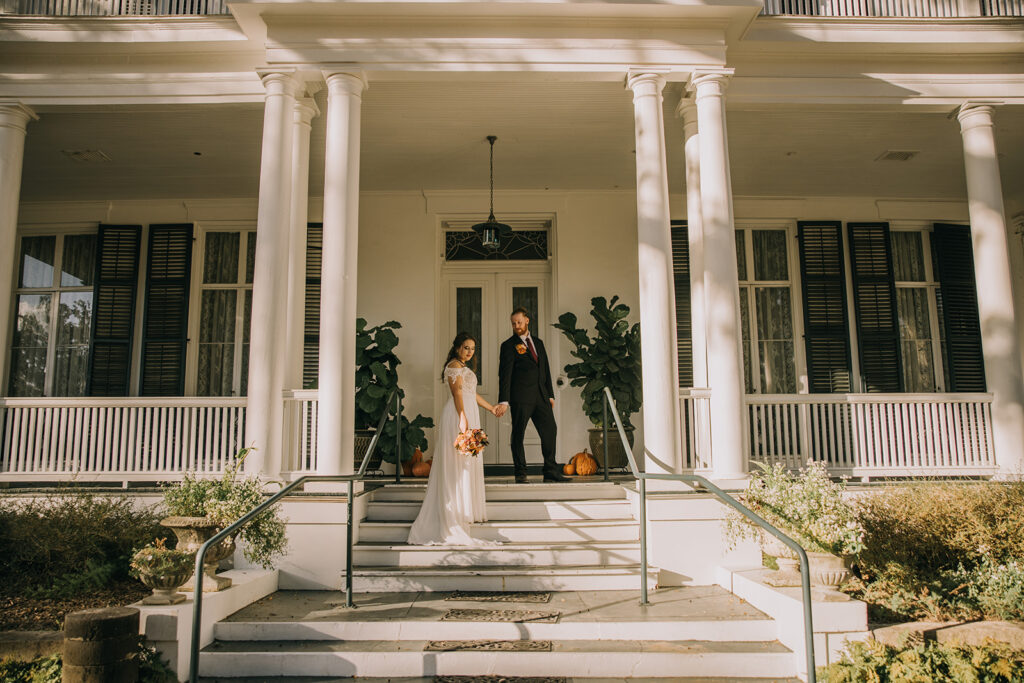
{"type": "Point", "coordinates": [520, 349]}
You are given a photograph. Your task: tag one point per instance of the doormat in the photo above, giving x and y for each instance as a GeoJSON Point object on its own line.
{"type": "Point", "coordinates": [488, 645]}
{"type": "Point", "coordinates": [500, 679]}
{"type": "Point", "coordinates": [500, 596]}
{"type": "Point", "coordinates": [513, 615]}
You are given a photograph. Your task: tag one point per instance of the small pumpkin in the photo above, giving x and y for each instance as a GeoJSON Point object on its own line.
{"type": "Point", "coordinates": [569, 468]}
{"type": "Point", "coordinates": [585, 463]}
{"type": "Point", "coordinates": [407, 465]}
{"type": "Point", "coordinates": [422, 468]}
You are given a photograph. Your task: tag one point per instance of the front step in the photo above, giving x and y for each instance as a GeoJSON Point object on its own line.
{"type": "Point", "coordinates": [499, 578]}
{"type": "Point", "coordinates": [414, 491]}
{"type": "Point", "coordinates": [606, 658]}
{"type": "Point", "coordinates": [608, 554]}
{"type": "Point", "coordinates": [530, 531]}
{"type": "Point", "coordinates": [517, 510]}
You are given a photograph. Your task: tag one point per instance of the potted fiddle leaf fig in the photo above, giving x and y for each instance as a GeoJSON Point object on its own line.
{"type": "Point", "coordinates": [611, 358]}
{"type": "Point", "coordinates": [376, 377]}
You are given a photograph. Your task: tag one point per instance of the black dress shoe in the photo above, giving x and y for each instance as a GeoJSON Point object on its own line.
{"type": "Point", "coordinates": [521, 479]}
{"type": "Point", "coordinates": [555, 476]}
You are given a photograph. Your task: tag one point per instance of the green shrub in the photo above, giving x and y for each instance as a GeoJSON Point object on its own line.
{"type": "Point", "coordinates": [73, 541]}
{"type": "Point", "coordinates": [920, 661]}
{"type": "Point", "coordinates": [41, 670]}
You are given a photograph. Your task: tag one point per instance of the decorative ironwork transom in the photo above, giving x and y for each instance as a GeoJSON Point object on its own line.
{"type": "Point", "coordinates": [521, 245]}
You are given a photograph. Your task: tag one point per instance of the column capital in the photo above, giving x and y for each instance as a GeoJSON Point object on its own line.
{"type": "Point", "coordinates": [280, 82]}
{"type": "Point", "coordinates": [14, 114]}
{"type": "Point", "coordinates": [640, 80]}
{"type": "Point", "coordinates": [345, 80]}
{"type": "Point", "coordinates": [711, 81]}
{"type": "Point", "coordinates": [305, 110]}
{"type": "Point", "coordinates": [974, 114]}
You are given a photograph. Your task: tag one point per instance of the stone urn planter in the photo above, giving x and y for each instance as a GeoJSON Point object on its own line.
{"type": "Point", "coordinates": [192, 532]}
{"type": "Point", "coordinates": [165, 587]}
{"type": "Point", "coordinates": [788, 573]}
{"type": "Point", "coordinates": [828, 570]}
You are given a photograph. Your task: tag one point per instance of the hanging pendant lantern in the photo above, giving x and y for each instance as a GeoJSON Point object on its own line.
{"type": "Point", "coordinates": [491, 231]}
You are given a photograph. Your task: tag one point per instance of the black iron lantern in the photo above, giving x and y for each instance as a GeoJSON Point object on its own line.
{"type": "Point", "coordinates": [491, 231]}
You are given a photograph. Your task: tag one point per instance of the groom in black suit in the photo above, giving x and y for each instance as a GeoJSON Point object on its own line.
{"type": "Point", "coordinates": [524, 385]}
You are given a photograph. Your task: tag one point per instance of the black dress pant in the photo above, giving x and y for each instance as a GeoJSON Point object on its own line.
{"type": "Point", "coordinates": [539, 411]}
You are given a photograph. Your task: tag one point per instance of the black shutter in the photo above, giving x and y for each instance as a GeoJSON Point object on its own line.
{"type": "Point", "coordinates": [954, 258]}
{"type": "Point", "coordinates": [825, 317]}
{"type": "Point", "coordinates": [311, 338]}
{"type": "Point", "coordinates": [684, 322]}
{"type": "Point", "coordinates": [117, 272]}
{"type": "Point", "coordinates": [874, 297]}
{"type": "Point", "coordinates": [165, 327]}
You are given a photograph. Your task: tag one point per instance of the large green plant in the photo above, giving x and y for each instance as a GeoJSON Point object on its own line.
{"type": "Point", "coordinates": [609, 359]}
{"type": "Point", "coordinates": [376, 377]}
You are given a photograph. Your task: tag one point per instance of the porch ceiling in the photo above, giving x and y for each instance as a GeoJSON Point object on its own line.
{"type": "Point", "coordinates": [552, 135]}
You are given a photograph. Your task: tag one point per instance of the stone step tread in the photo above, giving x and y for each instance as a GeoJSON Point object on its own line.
{"type": "Point", "coordinates": [522, 501]}
{"type": "Point", "coordinates": [499, 569]}
{"type": "Point", "coordinates": [506, 545]}
{"type": "Point", "coordinates": [603, 521]}
{"type": "Point", "coordinates": [490, 679]}
{"type": "Point", "coordinates": [688, 647]}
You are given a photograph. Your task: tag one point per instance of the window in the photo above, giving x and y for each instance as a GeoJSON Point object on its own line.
{"type": "Point", "coordinates": [917, 307]}
{"type": "Point", "coordinates": [766, 311]}
{"type": "Point", "coordinates": [54, 315]}
{"type": "Point", "coordinates": [225, 307]}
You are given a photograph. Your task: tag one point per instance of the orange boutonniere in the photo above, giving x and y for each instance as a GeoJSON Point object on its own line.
{"type": "Point", "coordinates": [520, 349]}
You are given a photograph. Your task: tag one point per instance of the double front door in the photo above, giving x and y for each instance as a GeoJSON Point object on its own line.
{"type": "Point", "coordinates": [479, 301]}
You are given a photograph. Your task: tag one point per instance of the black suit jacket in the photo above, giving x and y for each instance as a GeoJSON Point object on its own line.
{"type": "Point", "coordinates": [520, 379]}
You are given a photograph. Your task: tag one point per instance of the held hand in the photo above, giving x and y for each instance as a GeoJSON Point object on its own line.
{"type": "Point", "coordinates": [499, 410]}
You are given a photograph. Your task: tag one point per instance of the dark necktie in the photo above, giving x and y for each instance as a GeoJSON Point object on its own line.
{"type": "Point", "coordinates": [533, 351]}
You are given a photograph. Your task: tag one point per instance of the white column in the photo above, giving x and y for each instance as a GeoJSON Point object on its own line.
{"type": "Point", "coordinates": [305, 110]}
{"type": "Point", "coordinates": [336, 424]}
{"type": "Point", "coordinates": [657, 308]}
{"type": "Point", "coordinates": [1000, 345]}
{"type": "Point", "coordinates": [14, 118]}
{"type": "Point", "coordinates": [687, 111]}
{"type": "Point", "coordinates": [266, 337]}
{"type": "Point", "coordinates": [724, 359]}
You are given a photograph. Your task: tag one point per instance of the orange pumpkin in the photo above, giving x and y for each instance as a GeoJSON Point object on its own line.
{"type": "Point", "coordinates": [407, 465]}
{"type": "Point", "coordinates": [585, 463]}
{"type": "Point", "coordinates": [422, 468]}
{"type": "Point", "coordinates": [569, 468]}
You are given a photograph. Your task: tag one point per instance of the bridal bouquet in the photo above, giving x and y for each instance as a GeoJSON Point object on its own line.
{"type": "Point", "coordinates": [471, 442]}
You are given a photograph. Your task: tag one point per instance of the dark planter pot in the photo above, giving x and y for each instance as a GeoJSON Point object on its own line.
{"type": "Point", "coordinates": [362, 444]}
{"type": "Point", "coordinates": [616, 454]}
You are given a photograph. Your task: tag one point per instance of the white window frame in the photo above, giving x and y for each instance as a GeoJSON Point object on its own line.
{"type": "Point", "coordinates": [795, 299]}
{"type": "Point", "coordinates": [59, 231]}
{"type": "Point", "coordinates": [931, 285]}
{"type": "Point", "coordinates": [196, 300]}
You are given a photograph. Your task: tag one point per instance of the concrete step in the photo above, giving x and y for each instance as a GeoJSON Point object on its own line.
{"type": "Point", "coordinates": [413, 491]}
{"type": "Point", "coordinates": [717, 630]}
{"type": "Point", "coordinates": [606, 658]}
{"type": "Point", "coordinates": [525, 510]}
{"type": "Point", "coordinates": [552, 531]}
{"type": "Point", "coordinates": [500, 578]}
{"type": "Point", "coordinates": [604, 553]}
{"type": "Point", "coordinates": [494, 679]}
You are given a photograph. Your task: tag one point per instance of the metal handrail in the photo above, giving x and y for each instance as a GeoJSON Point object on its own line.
{"type": "Point", "coordinates": [642, 477]}
{"type": "Point", "coordinates": [350, 479]}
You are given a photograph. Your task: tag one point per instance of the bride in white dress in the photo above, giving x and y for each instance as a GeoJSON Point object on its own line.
{"type": "Point", "coordinates": [455, 490]}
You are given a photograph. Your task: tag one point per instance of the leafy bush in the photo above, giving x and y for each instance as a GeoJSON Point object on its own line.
{"type": "Point", "coordinates": [926, 661]}
{"type": "Point", "coordinates": [152, 668]}
{"type": "Point", "coordinates": [807, 506]}
{"type": "Point", "coordinates": [950, 550]}
{"type": "Point", "coordinates": [72, 542]}
{"type": "Point", "coordinates": [226, 500]}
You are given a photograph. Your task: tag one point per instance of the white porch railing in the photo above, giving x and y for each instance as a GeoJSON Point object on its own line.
{"type": "Point", "coordinates": [875, 434]}
{"type": "Point", "coordinates": [695, 411]}
{"type": "Point", "coordinates": [300, 425]}
{"type": "Point", "coordinates": [113, 8]}
{"type": "Point", "coordinates": [926, 9]}
{"type": "Point", "coordinates": [115, 439]}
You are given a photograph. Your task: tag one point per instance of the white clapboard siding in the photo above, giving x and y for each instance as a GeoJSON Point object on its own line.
{"type": "Point", "coordinates": [300, 427]}
{"type": "Point", "coordinates": [874, 434]}
{"type": "Point", "coordinates": [118, 438]}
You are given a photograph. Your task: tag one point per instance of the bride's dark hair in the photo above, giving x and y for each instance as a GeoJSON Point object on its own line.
{"type": "Point", "coordinates": [453, 353]}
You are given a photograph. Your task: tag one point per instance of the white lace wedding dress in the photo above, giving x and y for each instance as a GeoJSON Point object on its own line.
{"type": "Point", "coordinates": [455, 490]}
